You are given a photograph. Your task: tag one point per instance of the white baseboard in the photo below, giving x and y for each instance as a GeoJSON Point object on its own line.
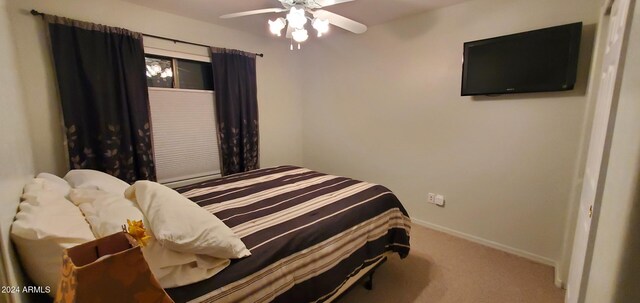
{"type": "Point", "coordinates": [558, 280]}
{"type": "Point", "coordinates": [515, 251]}
{"type": "Point", "coordinates": [179, 183]}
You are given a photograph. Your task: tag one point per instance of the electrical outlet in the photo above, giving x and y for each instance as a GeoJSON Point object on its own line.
{"type": "Point", "coordinates": [431, 198]}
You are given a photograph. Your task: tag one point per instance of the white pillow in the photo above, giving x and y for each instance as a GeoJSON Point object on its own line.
{"type": "Point", "coordinates": [93, 179]}
{"type": "Point", "coordinates": [44, 183]}
{"type": "Point", "coordinates": [173, 269]}
{"type": "Point", "coordinates": [55, 183]}
{"type": "Point", "coordinates": [182, 225]}
{"type": "Point", "coordinates": [107, 212]}
{"type": "Point", "coordinates": [46, 224]}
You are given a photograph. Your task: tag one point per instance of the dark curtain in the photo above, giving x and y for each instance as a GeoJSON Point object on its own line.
{"type": "Point", "coordinates": [234, 81]}
{"type": "Point", "coordinates": [105, 102]}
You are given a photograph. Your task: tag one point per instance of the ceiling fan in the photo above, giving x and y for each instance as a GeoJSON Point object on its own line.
{"type": "Point", "coordinates": [299, 12]}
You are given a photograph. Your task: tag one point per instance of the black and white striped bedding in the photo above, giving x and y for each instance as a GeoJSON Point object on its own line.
{"type": "Point", "coordinates": [308, 232]}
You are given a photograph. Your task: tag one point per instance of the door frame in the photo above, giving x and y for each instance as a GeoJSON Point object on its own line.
{"type": "Point", "coordinates": [604, 32]}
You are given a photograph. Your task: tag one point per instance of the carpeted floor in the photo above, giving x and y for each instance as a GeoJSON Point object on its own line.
{"type": "Point", "coordinates": [443, 268]}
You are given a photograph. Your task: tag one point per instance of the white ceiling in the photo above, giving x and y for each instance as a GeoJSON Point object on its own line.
{"type": "Point", "coordinates": [368, 12]}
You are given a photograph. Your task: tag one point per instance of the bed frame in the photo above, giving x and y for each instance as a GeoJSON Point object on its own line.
{"type": "Point", "coordinates": [365, 275]}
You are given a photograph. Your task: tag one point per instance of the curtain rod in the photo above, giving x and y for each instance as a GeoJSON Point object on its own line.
{"type": "Point", "coordinates": [37, 13]}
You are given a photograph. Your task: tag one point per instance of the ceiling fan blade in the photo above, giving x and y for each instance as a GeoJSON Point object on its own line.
{"type": "Point", "coordinates": [325, 3]}
{"type": "Point", "coordinates": [340, 21]}
{"type": "Point", "coordinates": [289, 31]}
{"type": "Point", "coordinates": [253, 12]}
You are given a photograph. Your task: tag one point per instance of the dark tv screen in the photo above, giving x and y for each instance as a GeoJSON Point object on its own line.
{"type": "Point", "coordinates": [536, 61]}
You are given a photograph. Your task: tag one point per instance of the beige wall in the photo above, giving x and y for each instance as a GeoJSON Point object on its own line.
{"type": "Point", "coordinates": [615, 267]}
{"type": "Point", "coordinates": [386, 107]}
{"type": "Point", "coordinates": [16, 161]}
{"type": "Point", "coordinates": [280, 110]}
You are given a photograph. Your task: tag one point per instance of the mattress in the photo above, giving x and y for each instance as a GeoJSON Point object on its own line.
{"type": "Point", "coordinates": [308, 233]}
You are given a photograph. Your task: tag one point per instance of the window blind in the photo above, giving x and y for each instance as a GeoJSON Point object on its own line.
{"type": "Point", "coordinates": [184, 134]}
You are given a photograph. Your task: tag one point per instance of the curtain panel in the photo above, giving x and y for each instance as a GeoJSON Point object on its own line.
{"type": "Point", "coordinates": [234, 78]}
{"type": "Point", "coordinates": [105, 103]}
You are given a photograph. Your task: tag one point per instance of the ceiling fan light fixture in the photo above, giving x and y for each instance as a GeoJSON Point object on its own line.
{"type": "Point", "coordinates": [296, 18]}
{"type": "Point", "coordinates": [300, 35]}
{"type": "Point", "coordinates": [276, 26]}
{"type": "Point", "coordinates": [321, 26]}
{"type": "Point", "coordinates": [297, 13]}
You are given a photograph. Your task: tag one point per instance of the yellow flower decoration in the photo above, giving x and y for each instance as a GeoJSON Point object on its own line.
{"type": "Point", "coordinates": [137, 231]}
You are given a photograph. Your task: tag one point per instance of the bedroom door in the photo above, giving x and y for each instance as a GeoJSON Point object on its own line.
{"type": "Point", "coordinates": [616, 14]}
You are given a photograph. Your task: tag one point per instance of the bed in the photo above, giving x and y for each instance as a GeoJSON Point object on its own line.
{"type": "Point", "coordinates": [311, 235]}
{"type": "Point", "coordinates": [282, 234]}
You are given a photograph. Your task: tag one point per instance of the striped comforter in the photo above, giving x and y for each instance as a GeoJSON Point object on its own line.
{"type": "Point", "coordinates": [308, 232]}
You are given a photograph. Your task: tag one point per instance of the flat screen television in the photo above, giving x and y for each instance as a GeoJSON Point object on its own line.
{"type": "Point", "coordinates": [536, 61]}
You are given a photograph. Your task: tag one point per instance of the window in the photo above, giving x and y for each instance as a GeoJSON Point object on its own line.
{"type": "Point", "coordinates": [170, 72]}
{"type": "Point", "coordinates": [159, 71]}
{"type": "Point", "coordinates": [194, 75]}
{"type": "Point", "coordinates": [181, 100]}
